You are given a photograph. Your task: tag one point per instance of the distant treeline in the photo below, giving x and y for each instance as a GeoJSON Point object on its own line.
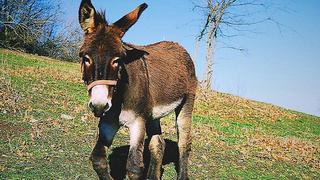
{"type": "Point", "coordinates": [35, 26]}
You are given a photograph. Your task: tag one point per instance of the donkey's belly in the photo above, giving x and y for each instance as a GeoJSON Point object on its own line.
{"type": "Point", "coordinates": [127, 117]}
{"type": "Point", "coordinates": [159, 111]}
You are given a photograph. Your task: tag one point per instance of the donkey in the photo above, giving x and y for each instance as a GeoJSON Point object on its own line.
{"type": "Point", "coordinates": [134, 86]}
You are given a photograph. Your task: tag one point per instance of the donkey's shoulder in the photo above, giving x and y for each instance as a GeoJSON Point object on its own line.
{"type": "Point", "coordinates": [163, 50]}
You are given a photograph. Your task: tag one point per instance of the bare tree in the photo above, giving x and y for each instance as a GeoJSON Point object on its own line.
{"type": "Point", "coordinates": [35, 26]}
{"type": "Point", "coordinates": [234, 15]}
{"type": "Point", "coordinates": [65, 44]}
{"type": "Point", "coordinates": [23, 23]}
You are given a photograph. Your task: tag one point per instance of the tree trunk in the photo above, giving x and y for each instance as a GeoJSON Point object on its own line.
{"type": "Point", "coordinates": [195, 52]}
{"type": "Point", "coordinates": [1, 10]}
{"type": "Point", "coordinates": [209, 58]}
{"type": "Point", "coordinates": [5, 16]}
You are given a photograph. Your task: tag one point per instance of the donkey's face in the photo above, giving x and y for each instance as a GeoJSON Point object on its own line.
{"type": "Point", "coordinates": [100, 53]}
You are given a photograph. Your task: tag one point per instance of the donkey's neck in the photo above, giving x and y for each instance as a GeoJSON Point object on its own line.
{"type": "Point", "coordinates": [136, 95]}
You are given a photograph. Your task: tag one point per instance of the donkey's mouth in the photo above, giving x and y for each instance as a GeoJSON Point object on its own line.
{"type": "Point", "coordinates": [97, 114]}
{"type": "Point", "coordinates": [100, 112]}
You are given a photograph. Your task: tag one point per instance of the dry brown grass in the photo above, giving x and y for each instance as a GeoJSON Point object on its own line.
{"type": "Point", "coordinates": [9, 98]}
{"type": "Point", "coordinates": [289, 149]}
{"type": "Point", "coordinates": [225, 106]}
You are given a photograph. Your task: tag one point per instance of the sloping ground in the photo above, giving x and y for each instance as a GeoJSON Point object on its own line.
{"type": "Point", "coordinates": [46, 131]}
{"type": "Point", "coordinates": [232, 107]}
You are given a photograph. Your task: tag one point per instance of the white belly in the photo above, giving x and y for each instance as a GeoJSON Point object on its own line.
{"type": "Point", "coordinates": [160, 111]}
{"type": "Point", "coordinates": [127, 117]}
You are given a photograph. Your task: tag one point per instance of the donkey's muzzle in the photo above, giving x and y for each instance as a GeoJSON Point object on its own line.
{"type": "Point", "coordinates": [99, 110]}
{"type": "Point", "coordinates": [99, 102]}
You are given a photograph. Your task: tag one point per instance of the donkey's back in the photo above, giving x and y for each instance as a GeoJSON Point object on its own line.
{"type": "Point", "coordinates": [171, 71]}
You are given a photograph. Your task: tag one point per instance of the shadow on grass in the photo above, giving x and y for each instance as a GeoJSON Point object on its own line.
{"type": "Point", "coordinates": [118, 158]}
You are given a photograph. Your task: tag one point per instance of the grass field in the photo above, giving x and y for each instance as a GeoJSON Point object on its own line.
{"type": "Point", "coordinates": [47, 132]}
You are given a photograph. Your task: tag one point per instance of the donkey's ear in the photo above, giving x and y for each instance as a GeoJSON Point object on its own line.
{"type": "Point", "coordinates": [87, 15]}
{"type": "Point", "coordinates": [130, 19]}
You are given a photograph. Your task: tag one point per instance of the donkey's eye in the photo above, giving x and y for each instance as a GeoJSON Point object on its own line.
{"type": "Point", "coordinates": [86, 60]}
{"type": "Point", "coordinates": [115, 61]}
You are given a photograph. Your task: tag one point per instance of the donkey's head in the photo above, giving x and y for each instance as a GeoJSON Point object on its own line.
{"type": "Point", "coordinates": [101, 52]}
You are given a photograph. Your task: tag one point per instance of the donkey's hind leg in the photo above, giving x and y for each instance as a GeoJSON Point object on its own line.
{"type": "Point", "coordinates": [184, 119]}
{"type": "Point", "coordinates": [156, 146]}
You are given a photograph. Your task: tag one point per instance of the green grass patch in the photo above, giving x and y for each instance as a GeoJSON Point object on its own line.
{"type": "Point", "coordinates": [302, 127]}
{"type": "Point", "coordinates": [231, 132]}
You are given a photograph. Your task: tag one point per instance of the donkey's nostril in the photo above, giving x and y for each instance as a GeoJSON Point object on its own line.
{"type": "Point", "coordinates": [91, 106]}
{"type": "Point", "coordinates": [107, 107]}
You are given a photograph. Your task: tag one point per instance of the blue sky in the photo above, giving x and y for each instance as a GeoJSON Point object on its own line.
{"type": "Point", "coordinates": [281, 67]}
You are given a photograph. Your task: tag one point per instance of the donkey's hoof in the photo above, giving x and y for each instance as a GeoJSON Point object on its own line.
{"type": "Point", "coordinates": [105, 177]}
{"type": "Point", "coordinates": [183, 177]}
{"type": "Point", "coordinates": [134, 176]}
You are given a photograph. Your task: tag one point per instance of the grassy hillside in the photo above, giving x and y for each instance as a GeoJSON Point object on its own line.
{"type": "Point", "coordinates": [47, 132]}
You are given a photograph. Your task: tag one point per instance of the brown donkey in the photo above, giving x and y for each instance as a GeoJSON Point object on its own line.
{"type": "Point", "coordinates": [134, 86]}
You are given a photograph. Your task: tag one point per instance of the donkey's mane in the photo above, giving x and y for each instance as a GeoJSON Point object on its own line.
{"type": "Point", "coordinates": [101, 17]}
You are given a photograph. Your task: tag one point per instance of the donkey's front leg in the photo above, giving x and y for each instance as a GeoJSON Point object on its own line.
{"type": "Point", "coordinates": [135, 156]}
{"type": "Point", "coordinates": [99, 161]}
{"type": "Point", "coordinates": [98, 155]}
